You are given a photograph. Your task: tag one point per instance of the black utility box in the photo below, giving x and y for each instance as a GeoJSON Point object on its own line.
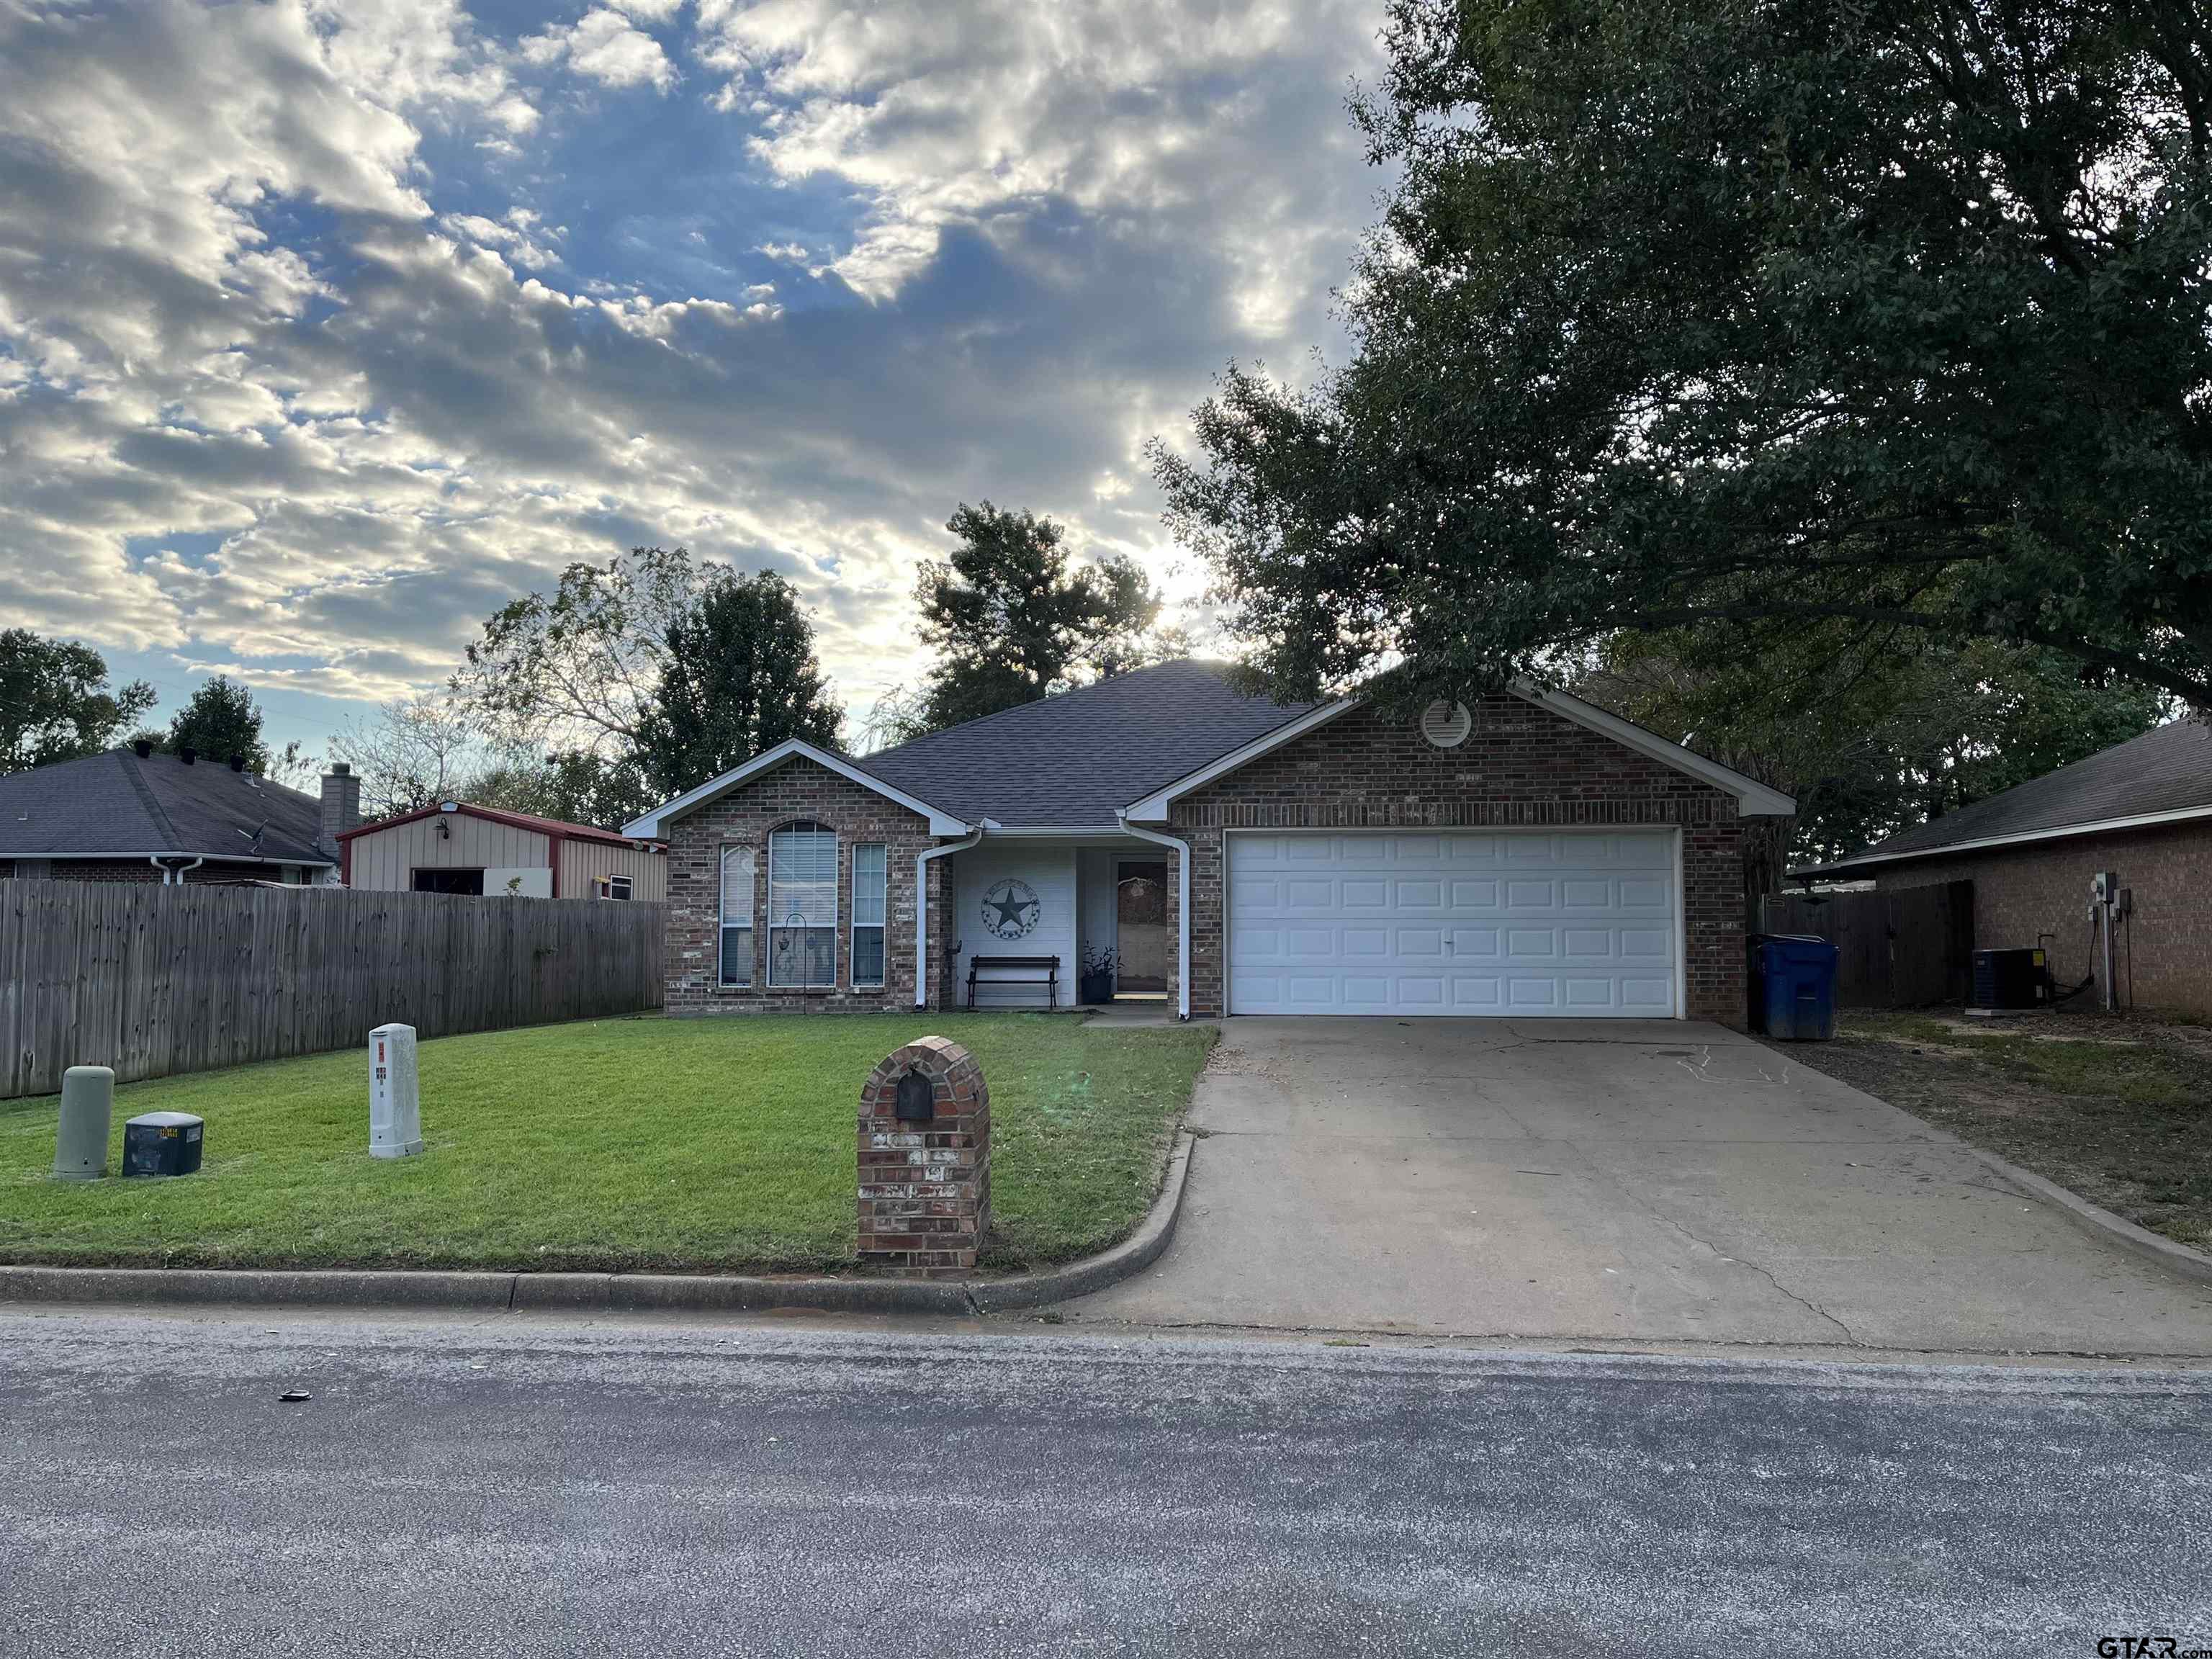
{"type": "Point", "coordinates": [162, 1144]}
{"type": "Point", "coordinates": [2011, 979]}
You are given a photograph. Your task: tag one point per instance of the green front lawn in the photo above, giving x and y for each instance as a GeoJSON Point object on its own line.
{"type": "Point", "coordinates": [627, 1143]}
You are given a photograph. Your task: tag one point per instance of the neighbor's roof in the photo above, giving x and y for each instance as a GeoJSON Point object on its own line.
{"type": "Point", "coordinates": [496, 815]}
{"type": "Point", "coordinates": [116, 805]}
{"type": "Point", "coordinates": [2163, 775]}
{"type": "Point", "coordinates": [1074, 760]}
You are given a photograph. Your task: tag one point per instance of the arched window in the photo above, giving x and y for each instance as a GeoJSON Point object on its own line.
{"type": "Point", "coordinates": [802, 905]}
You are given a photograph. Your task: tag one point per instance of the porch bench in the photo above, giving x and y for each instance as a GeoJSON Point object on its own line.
{"type": "Point", "coordinates": [1048, 967]}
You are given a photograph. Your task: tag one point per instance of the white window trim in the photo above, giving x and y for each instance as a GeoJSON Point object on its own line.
{"type": "Point", "coordinates": [852, 951]}
{"type": "Point", "coordinates": [807, 827]}
{"type": "Point", "coordinates": [723, 921]}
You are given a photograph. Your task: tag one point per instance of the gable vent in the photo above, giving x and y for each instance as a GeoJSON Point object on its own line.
{"type": "Point", "coordinates": [1445, 724]}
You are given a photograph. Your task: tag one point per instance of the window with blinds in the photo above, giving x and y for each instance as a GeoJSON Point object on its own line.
{"type": "Point", "coordinates": [802, 906]}
{"type": "Point", "coordinates": [737, 915]}
{"type": "Point", "coordinates": [869, 883]}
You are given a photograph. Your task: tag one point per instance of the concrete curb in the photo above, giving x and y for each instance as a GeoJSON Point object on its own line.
{"type": "Point", "coordinates": [614, 1292]}
{"type": "Point", "coordinates": [2095, 1219]}
{"type": "Point", "coordinates": [1095, 1272]}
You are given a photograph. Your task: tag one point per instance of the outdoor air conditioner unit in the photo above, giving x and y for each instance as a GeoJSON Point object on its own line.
{"type": "Point", "coordinates": [2011, 979]}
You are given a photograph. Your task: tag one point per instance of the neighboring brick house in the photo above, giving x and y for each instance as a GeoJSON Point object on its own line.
{"type": "Point", "coordinates": [1527, 854]}
{"type": "Point", "coordinates": [139, 815]}
{"type": "Point", "coordinates": [2141, 810]}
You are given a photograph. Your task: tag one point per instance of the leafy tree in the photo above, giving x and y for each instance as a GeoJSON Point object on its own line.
{"type": "Point", "coordinates": [414, 752]}
{"type": "Point", "coordinates": [55, 702]}
{"type": "Point", "coordinates": [900, 715]}
{"type": "Point", "coordinates": [221, 721]}
{"type": "Point", "coordinates": [573, 784]}
{"type": "Point", "coordinates": [580, 669]}
{"type": "Point", "coordinates": [1883, 313]}
{"type": "Point", "coordinates": [740, 676]}
{"type": "Point", "coordinates": [1010, 621]}
{"type": "Point", "coordinates": [1872, 735]}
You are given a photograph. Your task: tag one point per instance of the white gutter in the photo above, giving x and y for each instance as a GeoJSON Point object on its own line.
{"type": "Point", "coordinates": [1182, 908]}
{"type": "Point", "coordinates": [921, 912]}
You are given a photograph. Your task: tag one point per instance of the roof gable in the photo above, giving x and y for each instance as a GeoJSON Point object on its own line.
{"type": "Point", "coordinates": [1753, 798]}
{"type": "Point", "coordinates": [654, 824]}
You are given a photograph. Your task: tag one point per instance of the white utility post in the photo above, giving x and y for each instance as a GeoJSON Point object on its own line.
{"type": "Point", "coordinates": [395, 1104]}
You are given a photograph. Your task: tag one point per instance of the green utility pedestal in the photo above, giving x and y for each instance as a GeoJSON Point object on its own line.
{"type": "Point", "coordinates": [88, 1111]}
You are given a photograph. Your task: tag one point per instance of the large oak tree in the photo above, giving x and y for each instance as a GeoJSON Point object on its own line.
{"type": "Point", "coordinates": [1875, 314]}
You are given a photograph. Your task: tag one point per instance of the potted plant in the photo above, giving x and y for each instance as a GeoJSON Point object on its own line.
{"type": "Point", "coordinates": [1095, 983]}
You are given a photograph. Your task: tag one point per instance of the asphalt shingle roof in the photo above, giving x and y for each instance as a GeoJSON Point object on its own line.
{"type": "Point", "coordinates": [116, 805]}
{"type": "Point", "coordinates": [2167, 769]}
{"type": "Point", "coordinates": [1073, 760]}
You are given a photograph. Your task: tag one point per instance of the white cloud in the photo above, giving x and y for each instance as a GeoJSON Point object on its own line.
{"type": "Point", "coordinates": [948, 115]}
{"type": "Point", "coordinates": [603, 46]}
{"type": "Point", "coordinates": [311, 357]}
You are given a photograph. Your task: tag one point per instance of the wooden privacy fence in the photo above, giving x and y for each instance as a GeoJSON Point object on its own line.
{"type": "Point", "coordinates": [1904, 949]}
{"type": "Point", "coordinates": [156, 981]}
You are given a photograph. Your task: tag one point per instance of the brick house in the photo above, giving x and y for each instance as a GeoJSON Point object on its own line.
{"type": "Point", "coordinates": [2141, 809]}
{"type": "Point", "coordinates": [136, 814]}
{"type": "Point", "coordinates": [1524, 855]}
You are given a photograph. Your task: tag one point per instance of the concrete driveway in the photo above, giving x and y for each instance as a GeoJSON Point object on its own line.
{"type": "Point", "coordinates": [1651, 1181]}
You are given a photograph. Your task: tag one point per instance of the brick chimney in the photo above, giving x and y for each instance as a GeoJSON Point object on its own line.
{"type": "Point", "coordinates": [341, 804]}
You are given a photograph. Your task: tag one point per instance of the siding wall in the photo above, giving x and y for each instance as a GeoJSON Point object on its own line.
{"type": "Point", "coordinates": [1048, 870]}
{"type": "Point", "coordinates": [583, 862]}
{"type": "Point", "coordinates": [383, 859]}
{"type": "Point", "coordinates": [1095, 901]}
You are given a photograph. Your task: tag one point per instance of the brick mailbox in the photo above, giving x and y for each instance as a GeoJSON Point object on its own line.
{"type": "Point", "coordinates": [924, 1161]}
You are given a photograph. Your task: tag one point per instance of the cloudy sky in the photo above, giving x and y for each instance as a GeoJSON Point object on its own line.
{"type": "Point", "coordinates": [327, 326]}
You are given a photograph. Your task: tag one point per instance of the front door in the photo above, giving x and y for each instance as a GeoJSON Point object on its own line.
{"type": "Point", "coordinates": [1140, 926]}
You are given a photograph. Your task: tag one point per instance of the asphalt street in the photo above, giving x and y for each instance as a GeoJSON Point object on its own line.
{"type": "Point", "coordinates": [504, 1486]}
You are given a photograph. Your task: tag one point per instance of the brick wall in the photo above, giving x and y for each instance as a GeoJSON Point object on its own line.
{"type": "Point", "coordinates": [1520, 767]}
{"type": "Point", "coordinates": [800, 789]}
{"type": "Point", "coordinates": [135, 871]}
{"type": "Point", "coordinates": [2044, 888]}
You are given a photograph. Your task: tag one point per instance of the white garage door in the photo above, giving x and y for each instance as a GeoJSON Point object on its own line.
{"type": "Point", "coordinates": [1521, 923]}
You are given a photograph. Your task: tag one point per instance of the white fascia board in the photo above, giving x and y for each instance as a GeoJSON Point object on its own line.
{"type": "Point", "coordinates": [651, 827]}
{"type": "Point", "coordinates": [1154, 808]}
{"type": "Point", "coordinates": [2062, 832]}
{"type": "Point", "coordinates": [1753, 798]}
{"type": "Point", "coordinates": [1048, 832]}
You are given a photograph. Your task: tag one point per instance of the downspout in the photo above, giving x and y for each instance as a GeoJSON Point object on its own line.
{"type": "Point", "coordinates": [173, 878]}
{"type": "Point", "coordinates": [1182, 907]}
{"type": "Point", "coordinates": [922, 912]}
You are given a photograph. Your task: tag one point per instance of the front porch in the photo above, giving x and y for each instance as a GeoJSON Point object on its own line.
{"type": "Point", "coordinates": [1099, 904]}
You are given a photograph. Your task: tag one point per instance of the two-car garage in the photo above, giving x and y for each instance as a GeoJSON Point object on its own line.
{"type": "Point", "coordinates": [1525, 923]}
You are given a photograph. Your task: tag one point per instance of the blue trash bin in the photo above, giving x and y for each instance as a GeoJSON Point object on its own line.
{"type": "Point", "coordinates": [1797, 987]}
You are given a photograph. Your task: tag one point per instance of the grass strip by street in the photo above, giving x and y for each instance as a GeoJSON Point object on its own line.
{"type": "Point", "coordinates": [2117, 1109]}
{"type": "Point", "coordinates": [611, 1145]}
